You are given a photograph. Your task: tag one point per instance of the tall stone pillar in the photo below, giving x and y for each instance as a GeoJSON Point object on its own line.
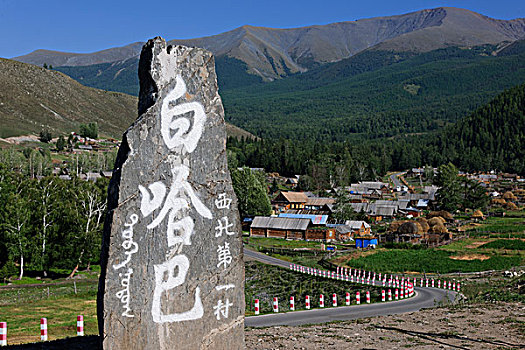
{"type": "Point", "coordinates": [172, 265]}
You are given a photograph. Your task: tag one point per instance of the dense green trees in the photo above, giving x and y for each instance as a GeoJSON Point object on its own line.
{"type": "Point", "coordinates": [250, 188]}
{"type": "Point", "coordinates": [89, 130]}
{"type": "Point", "coordinates": [49, 223]}
{"type": "Point", "coordinates": [458, 191]}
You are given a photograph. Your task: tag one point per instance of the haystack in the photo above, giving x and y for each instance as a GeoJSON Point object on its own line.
{"type": "Point", "coordinates": [424, 224]}
{"type": "Point", "coordinates": [442, 213]}
{"type": "Point", "coordinates": [509, 196]}
{"type": "Point", "coordinates": [409, 228]}
{"type": "Point", "coordinates": [394, 226]}
{"type": "Point", "coordinates": [478, 215]}
{"type": "Point", "coordinates": [498, 201]}
{"type": "Point", "coordinates": [438, 220]}
{"type": "Point", "coordinates": [439, 228]}
{"type": "Point", "coordinates": [511, 206]}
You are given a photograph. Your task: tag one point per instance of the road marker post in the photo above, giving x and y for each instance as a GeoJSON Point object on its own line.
{"type": "Point", "coordinates": [3, 333]}
{"type": "Point", "coordinates": [292, 304]}
{"type": "Point", "coordinates": [383, 295]}
{"type": "Point", "coordinates": [347, 299]}
{"type": "Point", "coordinates": [275, 305]}
{"type": "Point", "coordinates": [357, 298]}
{"type": "Point", "coordinates": [390, 295]}
{"type": "Point", "coordinates": [334, 300]}
{"type": "Point", "coordinates": [43, 329]}
{"type": "Point", "coordinates": [367, 297]}
{"type": "Point", "coordinates": [321, 300]}
{"type": "Point", "coordinates": [257, 306]}
{"type": "Point", "coordinates": [397, 294]}
{"type": "Point", "coordinates": [80, 325]}
{"type": "Point", "coordinates": [307, 302]}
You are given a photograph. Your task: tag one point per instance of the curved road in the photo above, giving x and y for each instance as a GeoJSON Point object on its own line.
{"type": "Point", "coordinates": [395, 180]}
{"type": "Point", "coordinates": [424, 298]}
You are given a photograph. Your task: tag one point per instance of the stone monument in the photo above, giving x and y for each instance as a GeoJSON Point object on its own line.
{"type": "Point", "coordinates": [172, 264]}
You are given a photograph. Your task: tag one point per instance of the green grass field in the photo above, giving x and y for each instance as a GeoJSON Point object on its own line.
{"type": "Point", "coordinates": [499, 227]}
{"type": "Point", "coordinates": [430, 261]}
{"type": "Point", "coordinates": [22, 309]}
{"type": "Point", "coordinates": [513, 244]}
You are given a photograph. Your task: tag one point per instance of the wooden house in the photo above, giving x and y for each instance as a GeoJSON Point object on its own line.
{"type": "Point", "coordinates": [286, 200]}
{"type": "Point", "coordinates": [288, 228]}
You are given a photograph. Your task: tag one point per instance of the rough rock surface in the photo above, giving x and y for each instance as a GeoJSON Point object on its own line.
{"type": "Point", "coordinates": [172, 265]}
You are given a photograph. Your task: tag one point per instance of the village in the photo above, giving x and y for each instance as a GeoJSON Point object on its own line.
{"type": "Point", "coordinates": [402, 209]}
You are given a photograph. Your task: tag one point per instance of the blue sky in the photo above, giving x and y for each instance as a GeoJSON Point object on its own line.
{"type": "Point", "coordinates": [92, 25]}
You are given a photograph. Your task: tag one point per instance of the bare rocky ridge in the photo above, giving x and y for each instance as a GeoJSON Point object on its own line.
{"type": "Point", "coordinates": [274, 53]}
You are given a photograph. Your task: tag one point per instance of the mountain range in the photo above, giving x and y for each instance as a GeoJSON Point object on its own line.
{"type": "Point", "coordinates": [271, 53]}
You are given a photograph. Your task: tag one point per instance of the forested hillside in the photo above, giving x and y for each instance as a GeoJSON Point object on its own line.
{"type": "Point", "coordinates": [367, 97]}
{"type": "Point", "coordinates": [491, 138]}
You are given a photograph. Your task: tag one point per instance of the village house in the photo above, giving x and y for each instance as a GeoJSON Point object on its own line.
{"type": "Point", "coordinates": [290, 228]}
{"type": "Point", "coordinates": [286, 200]}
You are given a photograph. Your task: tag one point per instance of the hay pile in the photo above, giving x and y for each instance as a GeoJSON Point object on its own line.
{"type": "Point", "coordinates": [499, 201]}
{"type": "Point", "coordinates": [437, 225]}
{"type": "Point", "coordinates": [442, 213]}
{"type": "Point", "coordinates": [478, 215]}
{"type": "Point", "coordinates": [509, 196]}
{"type": "Point", "coordinates": [424, 224]}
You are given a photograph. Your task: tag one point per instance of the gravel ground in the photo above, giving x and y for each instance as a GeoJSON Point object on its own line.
{"type": "Point", "coordinates": [488, 326]}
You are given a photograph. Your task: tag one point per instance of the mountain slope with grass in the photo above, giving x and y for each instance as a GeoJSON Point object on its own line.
{"type": "Point", "coordinates": [33, 99]}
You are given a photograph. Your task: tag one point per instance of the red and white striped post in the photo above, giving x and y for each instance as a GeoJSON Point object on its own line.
{"type": "Point", "coordinates": [383, 295]}
{"type": "Point", "coordinates": [352, 278]}
{"type": "Point", "coordinates": [449, 285]}
{"type": "Point", "coordinates": [357, 298]}
{"type": "Point", "coordinates": [390, 295]}
{"type": "Point", "coordinates": [454, 286]}
{"type": "Point", "coordinates": [426, 283]}
{"type": "Point", "coordinates": [321, 300]}
{"type": "Point", "coordinates": [338, 270]}
{"type": "Point", "coordinates": [415, 282]}
{"type": "Point", "coordinates": [457, 287]}
{"type": "Point", "coordinates": [292, 304]}
{"type": "Point", "coordinates": [257, 310]}
{"type": "Point", "coordinates": [43, 329]}
{"type": "Point", "coordinates": [402, 292]}
{"type": "Point", "coordinates": [432, 283]}
{"type": "Point", "coordinates": [421, 284]}
{"type": "Point", "coordinates": [397, 294]}
{"type": "Point", "coordinates": [80, 326]}
{"type": "Point", "coordinates": [334, 300]}
{"type": "Point", "coordinates": [347, 299]}
{"type": "Point", "coordinates": [367, 297]}
{"type": "Point", "coordinates": [3, 333]}
{"type": "Point", "coordinates": [307, 302]}
{"type": "Point", "coordinates": [439, 283]}
{"type": "Point", "coordinates": [275, 305]}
